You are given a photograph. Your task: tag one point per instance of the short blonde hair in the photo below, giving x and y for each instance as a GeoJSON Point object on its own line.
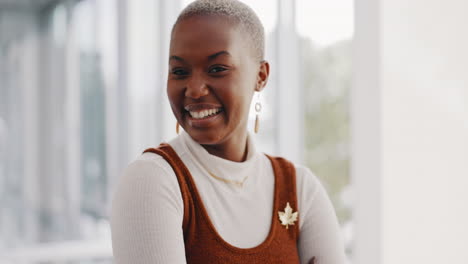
{"type": "Point", "coordinates": [235, 10]}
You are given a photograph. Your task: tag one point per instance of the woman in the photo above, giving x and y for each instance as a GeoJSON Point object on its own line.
{"type": "Point", "coordinates": [208, 196]}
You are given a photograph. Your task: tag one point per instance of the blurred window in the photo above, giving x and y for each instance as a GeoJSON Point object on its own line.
{"type": "Point", "coordinates": [325, 29]}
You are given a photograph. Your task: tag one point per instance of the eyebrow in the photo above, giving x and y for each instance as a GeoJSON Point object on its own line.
{"type": "Point", "coordinates": [210, 57]}
{"type": "Point", "coordinates": [173, 57]}
{"type": "Point", "coordinates": [223, 52]}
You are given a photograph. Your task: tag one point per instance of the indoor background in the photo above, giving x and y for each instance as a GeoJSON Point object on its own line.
{"type": "Point", "coordinates": [371, 95]}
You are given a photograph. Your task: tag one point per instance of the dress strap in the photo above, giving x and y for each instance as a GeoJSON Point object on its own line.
{"type": "Point", "coordinates": [285, 190]}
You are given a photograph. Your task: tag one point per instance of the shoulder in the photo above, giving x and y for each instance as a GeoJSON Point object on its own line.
{"type": "Point", "coordinates": [308, 185]}
{"type": "Point", "coordinates": [306, 180]}
{"type": "Point", "coordinates": [147, 167]}
{"type": "Point", "coordinates": [308, 188]}
{"type": "Point", "coordinates": [148, 163]}
{"type": "Point", "coordinates": [149, 176]}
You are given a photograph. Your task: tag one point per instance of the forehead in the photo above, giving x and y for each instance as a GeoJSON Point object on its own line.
{"type": "Point", "coordinates": [204, 35]}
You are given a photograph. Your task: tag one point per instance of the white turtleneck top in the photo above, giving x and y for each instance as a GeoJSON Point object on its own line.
{"type": "Point", "coordinates": [147, 206]}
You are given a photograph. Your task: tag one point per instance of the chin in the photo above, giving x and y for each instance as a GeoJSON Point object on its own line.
{"type": "Point", "coordinates": [206, 137]}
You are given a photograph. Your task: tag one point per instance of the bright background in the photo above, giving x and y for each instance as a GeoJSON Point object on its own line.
{"type": "Point", "coordinates": [371, 95]}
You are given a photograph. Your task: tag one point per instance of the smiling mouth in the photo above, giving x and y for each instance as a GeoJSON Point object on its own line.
{"type": "Point", "coordinates": [205, 113]}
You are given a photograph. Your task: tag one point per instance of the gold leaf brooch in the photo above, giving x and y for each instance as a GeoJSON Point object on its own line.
{"type": "Point", "coordinates": [287, 217]}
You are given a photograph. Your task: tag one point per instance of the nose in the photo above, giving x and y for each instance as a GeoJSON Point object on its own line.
{"type": "Point", "coordinates": [196, 87]}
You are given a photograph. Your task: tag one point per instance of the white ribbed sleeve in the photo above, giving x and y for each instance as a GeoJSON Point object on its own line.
{"type": "Point", "coordinates": [146, 216]}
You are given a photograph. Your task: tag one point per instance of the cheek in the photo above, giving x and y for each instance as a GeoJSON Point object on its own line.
{"type": "Point", "coordinates": [173, 94]}
{"type": "Point", "coordinates": [237, 103]}
{"type": "Point", "coordinates": [239, 93]}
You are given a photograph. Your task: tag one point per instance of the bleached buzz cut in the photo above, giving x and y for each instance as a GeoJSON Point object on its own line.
{"type": "Point", "coordinates": [236, 11]}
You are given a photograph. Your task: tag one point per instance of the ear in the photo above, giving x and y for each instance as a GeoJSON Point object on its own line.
{"type": "Point", "coordinates": [262, 77]}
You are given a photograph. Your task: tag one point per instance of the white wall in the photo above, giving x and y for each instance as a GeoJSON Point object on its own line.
{"type": "Point", "coordinates": [419, 166]}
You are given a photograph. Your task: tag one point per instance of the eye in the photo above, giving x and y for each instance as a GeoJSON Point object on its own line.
{"type": "Point", "coordinates": [217, 69]}
{"type": "Point", "coordinates": [179, 72]}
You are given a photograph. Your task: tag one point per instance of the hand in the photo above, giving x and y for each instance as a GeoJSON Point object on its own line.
{"type": "Point", "coordinates": [312, 261]}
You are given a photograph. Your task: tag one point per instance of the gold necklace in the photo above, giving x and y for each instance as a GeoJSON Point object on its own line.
{"type": "Point", "coordinates": [239, 184]}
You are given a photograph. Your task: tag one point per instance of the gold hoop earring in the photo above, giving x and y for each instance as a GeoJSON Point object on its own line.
{"type": "Point", "coordinates": [177, 128]}
{"type": "Point", "coordinates": [258, 108]}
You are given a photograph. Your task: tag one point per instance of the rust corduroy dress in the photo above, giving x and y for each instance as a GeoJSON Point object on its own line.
{"type": "Point", "coordinates": [203, 244]}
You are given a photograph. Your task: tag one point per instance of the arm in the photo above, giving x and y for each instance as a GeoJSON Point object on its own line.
{"type": "Point", "coordinates": [320, 235]}
{"type": "Point", "coordinates": [146, 215]}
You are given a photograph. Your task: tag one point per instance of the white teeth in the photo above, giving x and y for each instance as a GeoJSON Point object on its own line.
{"type": "Point", "coordinates": [204, 113]}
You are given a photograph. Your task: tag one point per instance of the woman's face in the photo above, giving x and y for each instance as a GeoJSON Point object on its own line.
{"type": "Point", "coordinates": [212, 77]}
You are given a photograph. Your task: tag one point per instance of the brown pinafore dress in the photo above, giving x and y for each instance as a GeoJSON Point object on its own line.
{"type": "Point", "coordinates": [203, 244]}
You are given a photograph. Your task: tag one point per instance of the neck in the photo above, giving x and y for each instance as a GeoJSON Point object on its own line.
{"type": "Point", "coordinates": [233, 149]}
